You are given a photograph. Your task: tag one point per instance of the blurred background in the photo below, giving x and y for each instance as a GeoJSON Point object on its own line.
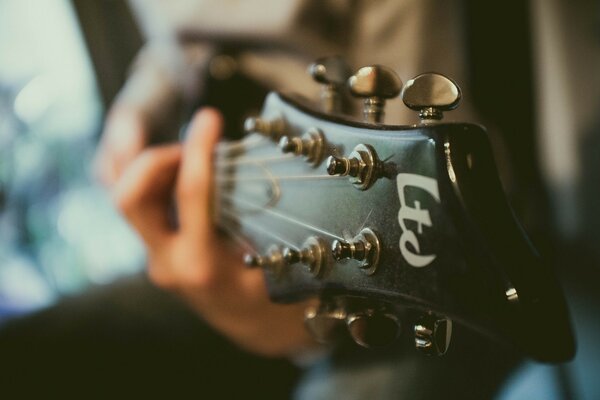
{"type": "Point", "coordinates": [63, 61]}
{"type": "Point", "coordinates": [59, 232]}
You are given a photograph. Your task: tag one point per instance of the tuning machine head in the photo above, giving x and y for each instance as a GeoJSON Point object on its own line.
{"type": "Point", "coordinates": [369, 324]}
{"type": "Point", "coordinates": [431, 94]}
{"type": "Point", "coordinates": [325, 322]}
{"type": "Point", "coordinates": [364, 247]}
{"type": "Point", "coordinates": [310, 145]}
{"type": "Point", "coordinates": [362, 166]}
{"type": "Point", "coordinates": [332, 73]}
{"type": "Point", "coordinates": [270, 128]}
{"type": "Point", "coordinates": [375, 84]}
{"type": "Point", "coordinates": [433, 334]}
{"type": "Point", "coordinates": [373, 327]}
{"type": "Point", "coordinates": [312, 254]}
{"type": "Point", "coordinates": [271, 260]}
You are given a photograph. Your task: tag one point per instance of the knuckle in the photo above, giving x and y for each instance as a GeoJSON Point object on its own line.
{"type": "Point", "coordinates": [200, 279]}
{"type": "Point", "coordinates": [125, 202]}
{"type": "Point", "coordinates": [160, 279]}
{"type": "Point", "coordinates": [149, 157]}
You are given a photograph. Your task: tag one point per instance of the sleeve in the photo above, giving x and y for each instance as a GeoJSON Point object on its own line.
{"type": "Point", "coordinates": [163, 76]}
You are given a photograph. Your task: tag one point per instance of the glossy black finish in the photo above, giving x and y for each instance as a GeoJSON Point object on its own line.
{"type": "Point", "coordinates": [481, 252]}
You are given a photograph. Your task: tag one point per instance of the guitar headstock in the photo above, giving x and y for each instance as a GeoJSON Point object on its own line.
{"type": "Point", "coordinates": [397, 229]}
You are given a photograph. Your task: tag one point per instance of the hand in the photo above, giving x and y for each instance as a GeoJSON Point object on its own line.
{"type": "Point", "coordinates": [192, 259]}
{"type": "Point", "coordinates": [123, 139]}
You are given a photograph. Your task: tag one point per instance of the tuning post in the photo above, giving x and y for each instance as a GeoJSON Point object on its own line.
{"type": "Point", "coordinates": [272, 260]}
{"type": "Point", "coordinates": [326, 322]}
{"type": "Point", "coordinates": [431, 94]}
{"type": "Point", "coordinates": [253, 260]}
{"type": "Point", "coordinates": [373, 327]}
{"type": "Point", "coordinates": [310, 145]}
{"type": "Point", "coordinates": [364, 247]}
{"type": "Point", "coordinates": [362, 166]}
{"type": "Point", "coordinates": [433, 334]}
{"type": "Point", "coordinates": [272, 129]}
{"type": "Point", "coordinates": [375, 84]}
{"type": "Point", "coordinates": [312, 254]}
{"type": "Point", "coordinates": [332, 73]}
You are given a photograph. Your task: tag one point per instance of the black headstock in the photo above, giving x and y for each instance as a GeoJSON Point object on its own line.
{"type": "Point", "coordinates": [389, 225]}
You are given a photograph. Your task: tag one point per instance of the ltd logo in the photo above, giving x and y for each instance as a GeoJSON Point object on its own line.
{"type": "Point", "coordinates": [409, 242]}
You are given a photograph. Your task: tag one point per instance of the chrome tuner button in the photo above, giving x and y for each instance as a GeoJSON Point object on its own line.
{"type": "Point", "coordinates": [332, 73]}
{"type": "Point", "coordinates": [430, 94]}
{"type": "Point", "coordinates": [272, 129]}
{"type": "Point", "coordinates": [433, 334]}
{"type": "Point", "coordinates": [362, 166]}
{"type": "Point", "coordinates": [340, 166]}
{"type": "Point", "coordinates": [375, 84]}
{"type": "Point", "coordinates": [272, 260]}
{"type": "Point", "coordinates": [364, 247]}
{"type": "Point", "coordinates": [253, 260]}
{"type": "Point", "coordinates": [310, 145]}
{"type": "Point", "coordinates": [372, 328]}
{"type": "Point", "coordinates": [325, 322]}
{"type": "Point", "coordinates": [312, 254]}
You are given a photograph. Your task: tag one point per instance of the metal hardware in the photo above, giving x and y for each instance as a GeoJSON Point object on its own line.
{"type": "Point", "coordinates": [310, 145]}
{"type": "Point", "coordinates": [332, 73]}
{"type": "Point", "coordinates": [433, 334]}
{"type": "Point", "coordinates": [362, 166]}
{"type": "Point", "coordinates": [512, 296]}
{"type": "Point", "coordinates": [272, 260]}
{"type": "Point", "coordinates": [431, 94]}
{"type": "Point", "coordinates": [312, 254]}
{"type": "Point", "coordinates": [373, 328]}
{"type": "Point", "coordinates": [325, 322]}
{"type": "Point", "coordinates": [375, 84]}
{"type": "Point", "coordinates": [253, 260]}
{"type": "Point", "coordinates": [273, 129]}
{"type": "Point", "coordinates": [363, 247]}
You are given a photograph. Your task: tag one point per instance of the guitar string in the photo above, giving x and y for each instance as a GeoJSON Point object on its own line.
{"type": "Point", "coordinates": [237, 237]}
{"type": "Point", "coordinates": [244, 144]}
{"type": "Point", "coordinates": [247, 142]}
{"type": "Point", "coordinates": [258, 228]}
{"type": "Point", "coordinates": [220, 178]}
{"type": "Point", "coordinates": [254, 160]}
{"type": "Point", "coordinates": [284, 217]}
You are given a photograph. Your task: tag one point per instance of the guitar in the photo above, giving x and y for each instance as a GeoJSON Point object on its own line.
{"type": "Point", "coordinates": [389, 226]}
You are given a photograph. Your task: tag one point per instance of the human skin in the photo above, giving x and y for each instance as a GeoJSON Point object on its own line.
{"type": "Point", "coordinates": [193, 259]}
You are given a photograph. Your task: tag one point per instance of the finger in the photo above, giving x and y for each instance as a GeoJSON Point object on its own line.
{"type": "Point", "coordinates": [144, 193]}
{"type": "Point", "coordinates": [124, 137]}
{"type": "Point", "coordinates": [128, 149]}
{"type": "Point", "coordinates": [103, 167]}
{"type": "Point", "coordinates": [195, 177]}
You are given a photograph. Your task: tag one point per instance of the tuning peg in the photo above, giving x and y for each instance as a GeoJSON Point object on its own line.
{"type": "Point", "coordinates": [272, 260]}
{"type": "Point", "coordinates": [332, 73]}
{"type": "Point", "coordinates": [431, 94]}
{"type": "Point", "coordinates": [312, 254]}
{"type": "Point", "coordinates": [372, 328]}
{"type": "Point", "coordinates": [253, 260]}
{"type": "Point", "coordinates": [273, 129]}
{"type": "Point", "coordinates": [375, 84]}
{"type": "Point", "coordinates": [433, 334]}
{"type": "Point", "coordinates": [310, 145]}
{"type": "Point", "coordinates": [363, 166]}
{"type": "Point", "coordinates": [325, 322]}
{"type": "Point", "coordinates": [363, 247]}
